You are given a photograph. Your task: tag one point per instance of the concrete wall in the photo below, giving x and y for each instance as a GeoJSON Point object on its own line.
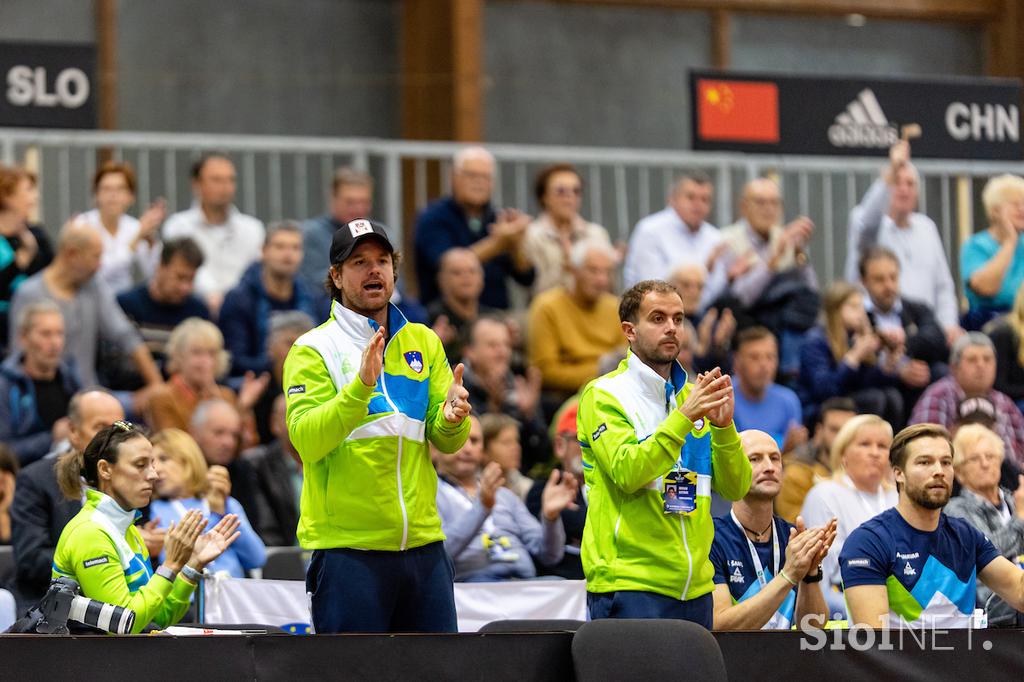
{"type": "Point", "coordinates": [299, 67]}
{"type": "Point", "coordinates": [569, 74]}
{"type": "Point", "coordinates": [47, 20]}
{"type": "Point", "coordinates": [830, 46]}
{"type": "Point", "coordinates": [555, 73]}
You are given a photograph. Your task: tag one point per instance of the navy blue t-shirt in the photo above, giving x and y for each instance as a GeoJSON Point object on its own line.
{"type": "Point", "coordinates": [730, 555]}
{"type": "Point", "coordinates": [930, 577]}
{"type": "Point", "coordinates": [155, 321]}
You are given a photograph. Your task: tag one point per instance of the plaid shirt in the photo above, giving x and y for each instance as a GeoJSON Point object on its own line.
{"type": "Point", "coordinates": [938, 405]}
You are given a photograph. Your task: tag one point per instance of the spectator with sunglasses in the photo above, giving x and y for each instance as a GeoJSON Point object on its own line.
{"type": "Point", "coordinates": [102, 549]}
{"type": "Point", "coordinates": [550, 238]}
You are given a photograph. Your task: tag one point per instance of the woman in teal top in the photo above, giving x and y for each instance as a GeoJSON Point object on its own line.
{"type": "Point", "coordinates": [101, 547]}
{"type": "Point", "coordinates": [992, 261]}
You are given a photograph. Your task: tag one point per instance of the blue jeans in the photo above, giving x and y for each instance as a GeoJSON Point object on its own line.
{"type": "Point", "coordinates": [630, 604]}
{"type": "Point", "coordinates": [357, 590]}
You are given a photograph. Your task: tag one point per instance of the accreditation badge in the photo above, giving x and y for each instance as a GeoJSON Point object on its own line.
{"type": "Point", "coordinates": [679, 491]}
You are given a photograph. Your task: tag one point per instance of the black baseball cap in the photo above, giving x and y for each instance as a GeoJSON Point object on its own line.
{"type": "Point", "coordinates": [350, 234]}
{"type": "Point", "coordinates": [978, 410]}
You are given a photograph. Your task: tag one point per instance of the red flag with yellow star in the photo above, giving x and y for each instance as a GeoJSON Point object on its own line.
{"type": "Point", "coordinates": [738, 111]}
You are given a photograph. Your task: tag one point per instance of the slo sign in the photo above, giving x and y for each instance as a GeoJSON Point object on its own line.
{"type": "Point", "coordinates": [48, 85]}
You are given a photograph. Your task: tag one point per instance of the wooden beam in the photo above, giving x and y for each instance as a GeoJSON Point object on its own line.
{"type": "Point", "coordinates": [467, 58]}
{"type": "Point", "coordinates": [1004, 46]}
{"type": "Point", "coordinates": [106, 62]}
{"type": "Point", "coordinates": [442, 69]}
{"type": "Point", "coordinates": [967, 11]}
{"type": "Point", "coordinates": [721, 38]}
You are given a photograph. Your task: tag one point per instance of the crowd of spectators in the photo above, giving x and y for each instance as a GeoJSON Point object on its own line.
{"type": "Point", "coordinates": [182, 322]}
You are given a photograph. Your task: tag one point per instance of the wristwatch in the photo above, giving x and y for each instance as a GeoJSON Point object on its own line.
{"type": "Point", "coordinates": [813, 578]}
{"type": "Point", "coordinates": [165, 572]}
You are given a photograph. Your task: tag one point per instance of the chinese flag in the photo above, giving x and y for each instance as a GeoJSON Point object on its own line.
{"type": "Point", "coordinates": [738, 111]}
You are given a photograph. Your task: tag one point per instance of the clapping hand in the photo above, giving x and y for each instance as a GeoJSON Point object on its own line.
{"type": "Point", "coordinates": [491, 479]}
{"type": "Point", "coordinates": [373, 359]}
{"type": "Point", "coordinates": [559, 493]}
{"type": "Point", "coordinates": [456, 404]}
{"type": "Point", "coordinates": [828, 536]}
{"type": "Point", "coordinates": [214, 542]}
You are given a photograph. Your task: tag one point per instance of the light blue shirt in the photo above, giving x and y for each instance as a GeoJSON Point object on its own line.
{"type": "Point", "coordinates": [247, 552]}
{"type": "Point", "coordinates": [980, 249]}
{"type": "Point", "coordinates": [774, 414]}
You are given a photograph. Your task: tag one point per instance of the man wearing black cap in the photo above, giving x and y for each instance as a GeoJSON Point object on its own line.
{"type": "Point", "coordinates": [366, 391]}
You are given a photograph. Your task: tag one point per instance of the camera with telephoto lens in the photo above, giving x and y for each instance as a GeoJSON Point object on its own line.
{"type": "Point", "coordinates": [63, 602]}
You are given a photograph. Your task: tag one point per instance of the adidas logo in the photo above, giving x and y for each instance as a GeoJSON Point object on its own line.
{"type": "Point", "coordinates": [863, 124]}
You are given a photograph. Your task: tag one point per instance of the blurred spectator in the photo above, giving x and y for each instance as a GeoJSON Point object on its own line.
{"type": "Point", "coordinates": [713, 336]}
{"type": "Point", "coordinates": [216, 426]}
{"type": "Point", "coordinates": [886, 217]}
{"type": "Point", "coordinates": [996, 511]}
{"type": "Point", "coordinates": [570, 328]}
{"type": "Point", "coordinates": [972, 365]}
{"type": "Point", "coordinates": [460, 281]}
{"type": "Point", "coordinates": [91, 314]}
{"type": "Point", "coordinates": [267, 288]}
{"type": "Point", "coordinates": [186, 483]}
{"type": "Point", "coordinates": [1006, 334]}
{"type": "Point", "coordinates": [351, 198]}
{"type": "Point", "coordinates": [131, 246]}
{"type": "Point", "coordinates": [570, 463]}
{"type": "Point", "coordinates": [811, 462]}
{"type": "Point", "coordinates": [501, 445]}
{"type": "Point", "coordinates": [166, 300]}
{"type": "Point", "coordinates": [196, 359]}
{"type": "Point", "coordinates": [860, 489]}
{"type": "Point", "coordinates": [229, 239]}
{"type": "Point", "coordinates": [550, 238]}
{"type": "Point", "coordinates": [279, 473]}
{"type": "Point", "coordinates": [905, 328]}
{"type": "Point", "coordinates": [677, 234]}
{"type": "Point", "coordinates": [898, 320]}
{"type": "Point", "coordinates": [8, 483]}
{"type": "Point", "coordinates": [40, 511]}
{"type": "Point", "coordinates": [494, 388]}
{"type": "Point", "coordinates": [841, 358]}
{"type": "Point", "coordinates": [770, 280]}
{"type": "Point", "coordinates": [490, 533]}
{"type": "Point", "coordinates": [687, 357]}
{"type": "Point", "coordinates": [992, 261]}
{"type": "Point", "coordinates": [762, 404]}
{"type": "Point", "coordinates": [285, 329]}
{"type": "Point", "coordinates": [466, 218]}
{"type": "Point", "coordinates": [36, 384]}
{"type": "Point", "coordinates": [689, 280]}
{"type": "Point", "coordinates": [24, 249]}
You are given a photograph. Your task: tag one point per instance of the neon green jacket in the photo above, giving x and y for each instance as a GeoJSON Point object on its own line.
{"type": "Point", "coordinates": [632, 435]}
{"type": "Point", "coordinates": [368, 482]}
{"type": "Point", "coordinates": [103, 550]}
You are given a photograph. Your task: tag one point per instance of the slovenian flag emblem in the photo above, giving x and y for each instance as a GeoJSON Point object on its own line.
{"type": "Point", "coordinates": [415, 360]}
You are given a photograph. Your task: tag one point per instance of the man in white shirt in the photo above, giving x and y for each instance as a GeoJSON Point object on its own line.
{"type": "Point", "coordinates": [229, 239]}
{"type": "Point", "coordinates": [677, 234]}
{"type": "Point", "coordinates": [886, 217]}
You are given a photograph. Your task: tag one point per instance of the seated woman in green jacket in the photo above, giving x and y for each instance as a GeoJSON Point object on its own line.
{"type": "Point", "coordinates": [101, 547]}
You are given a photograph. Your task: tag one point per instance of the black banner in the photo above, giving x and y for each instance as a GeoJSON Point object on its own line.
{"type": "Point", "coordinates": [48, 85]}
{"type": "Point", "coordinates": [943, 118]}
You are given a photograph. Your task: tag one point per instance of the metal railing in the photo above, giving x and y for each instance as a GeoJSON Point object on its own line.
{"type": "Point", "coordinates": [289, 177]}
